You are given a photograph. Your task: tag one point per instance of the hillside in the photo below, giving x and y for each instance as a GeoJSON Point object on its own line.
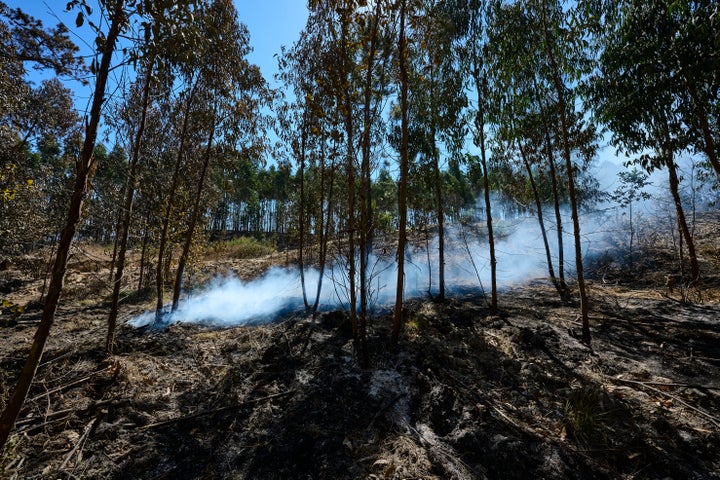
{"type": "Point", "coordinates": [467, 394]}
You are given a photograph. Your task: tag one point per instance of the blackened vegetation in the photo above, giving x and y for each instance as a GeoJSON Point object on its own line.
{"type": "Point", "coordinates": [467, 394]}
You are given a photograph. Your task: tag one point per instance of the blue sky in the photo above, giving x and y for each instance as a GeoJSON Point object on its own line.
{"type": "Point", "coordinates": [272, 23]}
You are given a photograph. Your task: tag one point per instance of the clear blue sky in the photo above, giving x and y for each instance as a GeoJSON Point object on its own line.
{"type": "Point", "coordinates": [272, 23]}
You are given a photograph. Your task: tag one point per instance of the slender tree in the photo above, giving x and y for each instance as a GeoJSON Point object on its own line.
{"type": "Point", "coordinates": [235, 89]}
{"type": "Point", "coordinates": [403, 178]}
{"type": "Point", "coordinates": [562, 104]}
{"type": "Point", "coordinates": [476, 66]}
{"type": "Point", "coordinates": [84, 171]}
{"type": "Point", "coordinates": [123, 227]}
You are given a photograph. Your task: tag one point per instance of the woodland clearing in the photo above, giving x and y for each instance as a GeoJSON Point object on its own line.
{"type": "Point", "coordinates": [467, 393]}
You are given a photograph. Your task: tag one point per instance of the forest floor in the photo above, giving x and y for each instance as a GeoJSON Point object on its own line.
{"type": "Point", "coordinates": [467, 394]}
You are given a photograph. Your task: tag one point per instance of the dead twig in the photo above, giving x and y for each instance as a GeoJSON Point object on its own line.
{"type": "Point", "coordinates": [214, 410]}
{"type": "Point", "coordinates": [80, 444]}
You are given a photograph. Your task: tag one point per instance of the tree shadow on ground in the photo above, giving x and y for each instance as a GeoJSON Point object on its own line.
{"type": "Point", "coordinates": [453, 401]}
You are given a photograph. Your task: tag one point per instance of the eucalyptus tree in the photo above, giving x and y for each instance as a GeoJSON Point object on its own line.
{"type": "Point", "coordinates": [373, 32]}
{"type": "Point", "coordinates": [235, 91]}
{"type": "Point", "coordinates": [518, 113]}
{"type": "Point", "coordinates": [192, 72]}
{"type": "Point", "coordinates": [642, 93]}
{"type": "Point", "coordinates": [403, 82]}
{"type": "Point", "coordinates": [122, 228]}
{"type": "Point", "coordinates": [333, 20]}
{"type": "Point", "coordinates": [35, 123]}
{"type": "Point", "coordinates": [30, 115]}
{"type": "Point", "coordinates": [476, 66]}
{"type": "Point", "coordinates": [565, 46]}
{"type": "Point", "coordinates": [158, 49]}
{"type": "Point", "coordinates": [184, 106]}
{"type": "Point", "coordinates": [679, 40]}
{"type": "Point", "coordinates": [119, 14]}
{"type": "Point", "coordinates": [294, 129]}
{"type": "Point", "coordinates": [544, 51]}
{"type": "Point", "coordinates": [437, 96]}
{"type": "Point", "coordinates": [310, 127]}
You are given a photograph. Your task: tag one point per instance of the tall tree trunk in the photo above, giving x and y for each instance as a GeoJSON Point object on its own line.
{"type": "Point", "coordinates": [84, 170]}
{"type": "Point", "coordinates": [123, 226]}
{"type": "Point", "coordinates": [403, 178]}
{"type": "Point", "coordinates": [682, 222]}
{"type": "Point", "coordinates": [325, 227]}
{"type": "Point", "coordinates": [143, 254]}
{"type": "Point", "coordinates": [346, 101]}
{"type": "Point", "coordinates": [541, 221]}
{"type": "Point", "coordinates": [562, 107]}
{"type": "Point", "coordinates": [366, 215]}
{"type": "Point", "coordinates": [440, 212]}
{"type": "Point", "coordinates": [159, 276]}
{"type": "Point", "coordinates": [564, 291]}
{"type": "Point", "coordinates": [194, 216]}
{"type": "Point", "coordinates": [301, 213]}
{"type": "Point", "coordinates": [479, 140]}
{"type": "Point", "coordinates": [480, 126]}
{"type": "Point", "coordinates": [563, 288]}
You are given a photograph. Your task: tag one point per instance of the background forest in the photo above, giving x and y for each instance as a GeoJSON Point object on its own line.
{"type": "Point", "coordinates": [394, 129]}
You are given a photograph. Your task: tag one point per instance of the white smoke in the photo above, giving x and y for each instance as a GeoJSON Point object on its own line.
{"type": "Point", "coordinates": [229, 301]}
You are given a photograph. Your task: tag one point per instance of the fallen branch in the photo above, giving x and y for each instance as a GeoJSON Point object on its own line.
{"type": "Point", "coordinates": [711, 418]}
{"type": "Point", "coordinates": [80, 444]}
{"type": "Point", "coordinates": [214, 410]}
{"type": "Point", "coordinates": [673, 384]}
{"type": "Point", "coordinates": [72, 384]}
{"type": "Point", "coordinates": [45, 418]}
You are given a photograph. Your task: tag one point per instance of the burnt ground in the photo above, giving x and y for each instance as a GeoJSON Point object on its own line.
{"type": "Point", "coordinates": [467, 394]}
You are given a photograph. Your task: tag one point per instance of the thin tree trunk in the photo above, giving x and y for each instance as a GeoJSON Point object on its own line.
{"type": "Point", "coordinates": [143, 254]}
{"type": "Point", "coordinates": [562, 106]}
{"type": "Point", "coordinates": [350, 171]}
{"type": "Point", "coordinates": [564, 291]}
{"type": "Point", "coordinates": [194, 217]}
{"type": "Point", "coordinates": [366, 227]}
{"type": "Point", "coordinates": [324, 236]}
{"type": "Point", "coordinates": [402, 180]}
{"type": "Point", "coordinates": [159, 277]}
{"type": "Point", "coordinates": [480, 126]}
{"type": "Point", "coordinates": [301, 225]}
{"type": "Point", "coordinates": [440, 211]}
{"type": "Point", "coordinates": [538, 205]}
{"type": "Point", "coordinates": [123, 226]}
{"type": "Point", "coordinates": [563, 288]}
{"type": "Point", "coordinates": [682, 222]}
{"type": "Point", "coordinates": [85, 168]}
{"type": "Point", "coordinates": [632, 233]}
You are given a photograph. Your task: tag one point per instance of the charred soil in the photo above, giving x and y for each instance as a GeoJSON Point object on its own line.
{"type": "Point", "coordinates": [466, 394]}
